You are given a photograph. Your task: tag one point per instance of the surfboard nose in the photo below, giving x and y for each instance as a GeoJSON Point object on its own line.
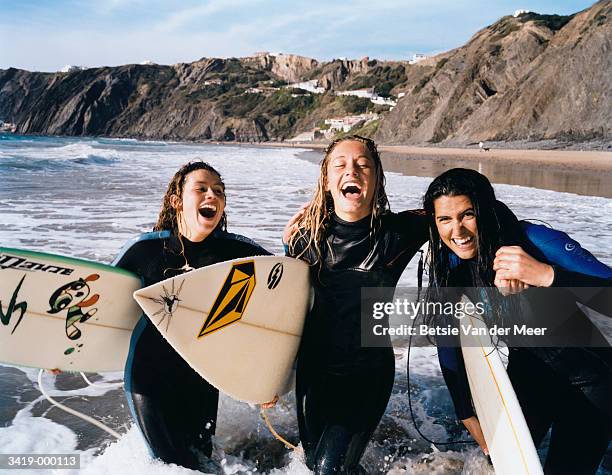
{"type": "Point", "coordinates": [143, 300]}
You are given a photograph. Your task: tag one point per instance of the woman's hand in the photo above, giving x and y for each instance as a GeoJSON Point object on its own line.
{"type": "Point", "coordinates": [473, 426]}
{"type": "Point", "coordinates": [512, 263]}
{"type": "Point", "coordinates": [271, 404]}
{"type": "Point", "coordinates": [509, 287]}
{"type": "Point", "coordinates": [291, 226]}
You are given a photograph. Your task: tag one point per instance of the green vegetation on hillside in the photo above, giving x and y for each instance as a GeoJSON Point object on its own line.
{"type": "Point", "coordinates": [382, 78]}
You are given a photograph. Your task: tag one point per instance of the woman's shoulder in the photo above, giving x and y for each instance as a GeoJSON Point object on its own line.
{"type": "Point", "coordinates": [141, 246]}
{"type": "Point", "coordinates": [243, 242]}
{"type": "Point", "coordinates": [406, 217]}
{"type": "Point", "coordinates": [411, 224]}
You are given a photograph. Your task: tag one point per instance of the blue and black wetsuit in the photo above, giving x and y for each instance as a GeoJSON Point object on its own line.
{"type": "Point", "coordinates": [342, 388]}
{"type": "Point", "coordinates": [175, 408]}
{"type": "Point", "coordinates": [567, 388]}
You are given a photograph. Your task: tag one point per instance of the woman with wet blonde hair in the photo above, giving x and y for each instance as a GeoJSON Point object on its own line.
{"type": "Point", "coordinates": [351, 240]}
{"type": "Point", "coordinates": [311, 222]}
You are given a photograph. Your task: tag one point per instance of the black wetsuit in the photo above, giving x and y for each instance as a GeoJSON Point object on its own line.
{"type": "Point", "coordinates": [566, 388]}
{"type": "Point", "coordinates": [175, 408]}
{"type": "Point", "coordinates": [342, 388]}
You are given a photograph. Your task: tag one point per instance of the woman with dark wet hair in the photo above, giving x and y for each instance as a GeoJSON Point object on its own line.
{"type": "Point", "coordinates": [476, 243]}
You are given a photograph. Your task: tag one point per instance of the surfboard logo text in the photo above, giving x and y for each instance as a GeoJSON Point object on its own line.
{"type": "Point", "coordinates": [74, 296]}
{"type": "Point", "coordinates": [13, 307]}
{"type": "Point", "coordinates": [232, 299]}
{"type": "Point", "coordinates": [15, 262]}
{"type": "Point", "coordinates": [275, 276]}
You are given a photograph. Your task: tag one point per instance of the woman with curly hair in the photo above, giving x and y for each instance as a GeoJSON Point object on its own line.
{"type": "Point", "coordinates": [175, 409]}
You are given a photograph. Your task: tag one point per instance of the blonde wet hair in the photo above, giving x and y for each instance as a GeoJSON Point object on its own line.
{"type": "Point", "coordinates": [313, 224]}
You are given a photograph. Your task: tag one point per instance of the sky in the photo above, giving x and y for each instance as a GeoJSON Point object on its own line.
{"type": "Point", "coordinates": [46, 35]}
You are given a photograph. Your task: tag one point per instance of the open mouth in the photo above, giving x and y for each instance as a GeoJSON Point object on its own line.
{"type": "Point", "coordinates": [463, 243]}
{"type": "Point", "coordinates": [351, 190]}
{"type": "Point", "coordinates": [208, 211]}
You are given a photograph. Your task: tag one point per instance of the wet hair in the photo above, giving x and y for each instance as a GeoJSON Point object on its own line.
{"type": "Point", "coordinates": [311, 227]}
{"type": "Point", "coordinates": [496, 224]}
{"type": "Point", "coordinates": [168, 215]}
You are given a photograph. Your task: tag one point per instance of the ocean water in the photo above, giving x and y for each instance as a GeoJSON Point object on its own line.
{"type": "Point", "coordinates": [87, 197]}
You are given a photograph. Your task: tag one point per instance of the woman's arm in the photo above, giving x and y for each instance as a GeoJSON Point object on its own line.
{"type": "Point", "coordinates": [595, 291]}
{"type": "Point", "coordinates": [455, 377]}
{"type": "Point", "coordinates": [559, 248]}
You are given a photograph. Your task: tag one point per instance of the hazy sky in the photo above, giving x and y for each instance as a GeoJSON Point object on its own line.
{"type": "Point", "coordinates": [46, 35]}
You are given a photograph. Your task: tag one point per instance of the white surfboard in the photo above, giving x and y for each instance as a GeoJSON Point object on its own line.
{"type": "Point", "coordinates": [503, 424]}
{"type": "Point", "coordinates": [237, 323]}
{"type": "Point", "coordinates": [65, 313]}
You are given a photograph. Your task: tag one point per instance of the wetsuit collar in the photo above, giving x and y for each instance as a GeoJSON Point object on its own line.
{"type": "Point", "coordinates": [363, 222]}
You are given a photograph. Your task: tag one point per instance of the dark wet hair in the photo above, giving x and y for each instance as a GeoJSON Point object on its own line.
{"type": "Point", "coordinates": [497, 226]}
{"type": "Point", "coordinates": [168, 215]}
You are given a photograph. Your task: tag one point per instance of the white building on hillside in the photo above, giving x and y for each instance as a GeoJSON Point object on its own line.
{"type": "Point", "coordinates": [344, 124]}
{"type": "Point", "coordinates": [213, 82]}
{"type": "Point", "coordinates": [70, 68]}
{"type": "Point", "coordinates": [518, 13]}
{"type": "Point", "coordinates": [383, 101]}
{"type": "Point", "coordinates": [310, 86]}
{"type": "Point", "coordinates": [369, 94]}
{"type": "Point", "coordinates": [417, 58]}
{"type": "Point", "coordinates": [7, 127]}
{"type": "Point", "coordinates": [365, 93]}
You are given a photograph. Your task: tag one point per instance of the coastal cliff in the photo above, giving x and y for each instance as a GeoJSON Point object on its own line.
{"type": "Point", "coordinates": [534, 77]}
{"type": "Point", "coordinates": [530, 77]}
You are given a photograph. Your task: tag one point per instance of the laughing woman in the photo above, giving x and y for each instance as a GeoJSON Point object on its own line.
{"type": "Point", "coordinates": [175, 408]}
{"type": "Point", "coordinates": [475, 243]}
{"type": "Point", "coordinates": [351, 240]}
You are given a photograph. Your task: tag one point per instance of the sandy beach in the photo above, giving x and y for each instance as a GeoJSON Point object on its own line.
{"type": "Point", "coordinates": [571, 171]}
{"type": "Point", "coordinates": [582, 160]}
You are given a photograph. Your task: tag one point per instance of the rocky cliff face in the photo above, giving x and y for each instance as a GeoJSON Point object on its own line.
{"type": "Point", "coordinates": [219, 99]}
{"type": "Point", "coordinates": [288, 67]}
{"type": "Point", "coordinates": [532, 77]}
{"type": "Point", "coordinates": [168, 102]}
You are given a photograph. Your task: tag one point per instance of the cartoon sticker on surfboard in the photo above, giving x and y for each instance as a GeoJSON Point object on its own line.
{"type": "Point", "coordinates": [65, 313]}
{"type": "Point", "coordinates": [74, 298]}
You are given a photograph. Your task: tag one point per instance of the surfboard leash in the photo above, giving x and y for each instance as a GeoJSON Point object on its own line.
{"type": "Point", "coordinates": [412, 416]}
{"type": "Point", "coordinates": [278, 437]}
{"type": "Point", "coordinates": [78, 414]}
